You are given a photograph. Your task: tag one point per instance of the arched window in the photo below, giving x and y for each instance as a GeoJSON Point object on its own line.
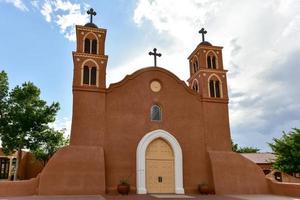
{"type": "Point", "coordinates": [94, 47]}
{"type": "Point", "coordinates": [195, 86]}
{"type": "Point", "coordinates": [87, 45]}
{"type": "Point", "coordinates": [93, 75]}
{"type": "Point", "coordinates": [90, 43]}
{"type": "Point", "coordinates": [214, 88]}
{"type": "Point", "coordinates": [89, 75]}
{"type": "Point", "coordinates": [212, 62]}
{"type": "Point", "coordinates": [155, 113]}
{"type": "Point", "coordinates": [86, 75]}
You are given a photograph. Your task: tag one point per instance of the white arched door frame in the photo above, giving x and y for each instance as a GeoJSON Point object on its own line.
{"type": "Point", "coordinates": [141, 160]}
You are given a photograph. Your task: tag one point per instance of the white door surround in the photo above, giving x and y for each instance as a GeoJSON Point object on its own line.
{"type": "Point", "coordinates": [140, 160]}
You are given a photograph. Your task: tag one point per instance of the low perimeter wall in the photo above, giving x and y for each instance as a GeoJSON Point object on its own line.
{"type": "Point", "coordinates": [280, 188]}
{"type": "Point", "coordinates": [234, 174]}
{"type": "Point", "coordinates": [19, 188]}
{"type": "Point", "coordinates": [74, 170]}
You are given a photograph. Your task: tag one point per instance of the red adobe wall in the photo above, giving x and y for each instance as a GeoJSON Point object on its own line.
{"type": "Point", "coordinates": [280, 188]}
{"type": "Point", "coordinates": [234, 174]}
{"type": "Point", "coordinates": [19, 188]}
{"type": "Point", "coordinates": [74, 170]}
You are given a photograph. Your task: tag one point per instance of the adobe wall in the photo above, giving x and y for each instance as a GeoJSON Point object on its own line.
{"type": "Point", "coordinates": [32, 167]}
{"type": "Point", "coordinates": [216, 124]}
{"type": "Point", "coordinates": [128, 120]}
{"type": "Point", "coordinates": [29, 166]}
{"type": "Point", "coordinates": [74, 170]}
{"type": "Point", "coordinates": [19, 188]}
{"type": "Point", "coordinates": [234, 174]}
{"type": "Point", "coordinates": [88, 120]}
{"type": "Point", "coordinates": [281, 188]}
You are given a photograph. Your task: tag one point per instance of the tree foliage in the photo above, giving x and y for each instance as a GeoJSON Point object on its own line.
{"type": "Point", "coordinates": [3, 95]}
{"type": "Point", "coordinates": [287, 151]}
{"type": "Point", "coordinates": [237, 149]}
{"type": "Point", "coordinates": [24, 118]}
{"type": "Point", "coordinates": [52, 141]}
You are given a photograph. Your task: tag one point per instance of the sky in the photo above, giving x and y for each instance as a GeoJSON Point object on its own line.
{"type": "Point", "coordinates": [261, 52]}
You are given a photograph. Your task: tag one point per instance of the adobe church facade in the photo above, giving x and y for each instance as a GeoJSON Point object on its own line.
{"type": "Point", "coordinates": [151, 128]}
{"type": "Point", "coordinates": [154, 129]}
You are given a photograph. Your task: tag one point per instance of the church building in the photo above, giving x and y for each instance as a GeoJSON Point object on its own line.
{"type": "Point", "coordinates": [153, 128]}
{"type": "Point", "coordinates": [160, 133]}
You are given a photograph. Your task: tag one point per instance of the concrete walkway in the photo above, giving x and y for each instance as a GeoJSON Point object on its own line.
{"type": "Point", "coordinates": [146, 197]}
{"type": "Point", "coordinates": [263, 197]}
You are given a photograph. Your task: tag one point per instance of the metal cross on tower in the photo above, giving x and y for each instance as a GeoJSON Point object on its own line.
{"type": "Point", "coordinates": [203, 32]}
{"type": "Point", "coordinates": [92, 13]}
{"type": "Point", "coordinates": [154, 54]}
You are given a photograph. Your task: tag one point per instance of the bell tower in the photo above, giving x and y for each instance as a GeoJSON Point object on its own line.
{"type": "Point", "coordinates": [89, 84]}
{"type": "Point", "coordinates": [207, 75]}
{"type": "Point", "coordinates": [89, 59]}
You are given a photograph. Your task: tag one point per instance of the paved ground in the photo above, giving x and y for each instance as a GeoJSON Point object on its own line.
{"type": "Point", "coordinates": [146, 197]}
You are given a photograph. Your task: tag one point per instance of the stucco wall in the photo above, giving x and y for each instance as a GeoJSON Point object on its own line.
{"type": "Point", "coordinates": [128, 106]}
{"type": "Point", "coordinates": [234, 174]}
{"type": "Point", "coordinates": [74, 170]}
{"type": "Point", "coordinates": [280, 188]}
{"type": "Point", "coordinates": [19, 188]}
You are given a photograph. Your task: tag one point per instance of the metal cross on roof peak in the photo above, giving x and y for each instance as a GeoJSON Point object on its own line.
{"type": "Point", "coordinates": [92, 13]}
{"type": "Point", "coordinates": [154, 54]}
{"type": "Point", "coordinates": [203, 32]}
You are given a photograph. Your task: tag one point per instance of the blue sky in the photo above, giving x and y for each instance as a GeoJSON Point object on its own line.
{"type": "Point", "coordinates": [260, 39]}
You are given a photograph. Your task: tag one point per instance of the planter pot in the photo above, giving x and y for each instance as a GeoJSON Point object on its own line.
{"type": "Point", "coordinates": [203, 189]}
{"type": "Point", "coordinates": [123, 189]}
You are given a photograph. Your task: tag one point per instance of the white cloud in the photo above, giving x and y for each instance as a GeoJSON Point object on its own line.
{"type": "Point", "coordinates": [72, 15]}
{"type": "Point", "coordinates": [47, 10]}
{"type": "Point", "coordinates": [35, 3]}
{"type": "Point", "coordinates": [18, 4]}
{"type": "Point", "coordinates": [64, 14]}
{"type": "Point", "coordinates": [258, 39]}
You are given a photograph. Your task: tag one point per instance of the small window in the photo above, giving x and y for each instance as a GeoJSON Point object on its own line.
{"type": "Point", "coordinates": [212, 88]}
{"type": "Point", "coordinates": [209, 62]}
{"type": "Point", "coordinates": [87, 46]}
{"type": "Point", "coordinates": [197, 65]}
{"type": "Point", "coordinates": [195, 86]}
{"type": "Point", "coordinates": [93, 75]}
{"type": "Point", "coordinates": [86, 75]}
{"type": "Point", "coordinates": [214, 66]}
{"type": "Point", "coordinates": [94, 47]}
{"type": "Point", "coordinates": [195, 68]}
{"type": "Point", "coordinates": [155, 113]}
{"type": "Point", "coordinates": [217, 87]}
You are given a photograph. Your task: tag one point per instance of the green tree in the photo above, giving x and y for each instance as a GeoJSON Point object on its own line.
{"type": "Point", "coordinates": [51, 141]}
{"type": "Point", "coordinates": [25, 118]}
{"type": "Point", "coordinates": [3, 95]}
{"type": "Point", "coordinates": [237, 149]}
{"type": "Point", "coordinates": [287, 151]}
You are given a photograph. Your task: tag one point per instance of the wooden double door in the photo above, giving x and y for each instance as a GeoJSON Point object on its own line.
{"type": "Point", "coordinates": [160, 173]}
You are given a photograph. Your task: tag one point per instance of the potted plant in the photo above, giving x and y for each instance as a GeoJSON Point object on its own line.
{"type": "Point", "coordinates": [203, 188]}
{"type": "Point", "coordinates": [124, 187]}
